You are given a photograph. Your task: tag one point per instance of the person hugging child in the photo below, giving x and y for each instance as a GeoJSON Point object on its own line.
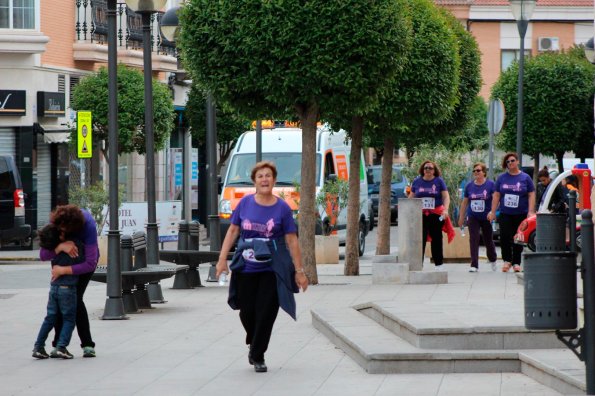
{"type": "Point", "coordinates": [62, 296]}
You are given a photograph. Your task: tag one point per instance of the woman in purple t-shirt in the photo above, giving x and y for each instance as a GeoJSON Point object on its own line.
{"type": "Point", "coordinates": [266, 217]}
{"type": "Point", "coordinates": [477, 202]}
{"type": "Point", "coordinates": [76, 224]}
{"type": "Point", "coordinates": [515, 194]}
{"type": "Point", "coordinates": [430, 187]}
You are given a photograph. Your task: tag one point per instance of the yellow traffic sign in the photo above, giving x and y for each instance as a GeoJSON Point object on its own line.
{"type": "Point", "coordinates": [84, 134]}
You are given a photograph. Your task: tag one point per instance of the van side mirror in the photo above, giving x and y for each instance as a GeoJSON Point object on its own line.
{"type": "Point", "coordinates": [331, 177]}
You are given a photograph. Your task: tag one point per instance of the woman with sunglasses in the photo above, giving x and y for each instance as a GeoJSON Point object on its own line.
{"type": "Point", "coordinates": [515, 194]}
{"type": "Point", "coordinates": [477, 202]}
{"type": "Point", "coordinates": [430, 187]}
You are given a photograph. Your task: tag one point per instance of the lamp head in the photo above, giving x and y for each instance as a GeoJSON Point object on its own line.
{"type": "Point", "coordinates": [169, 24]}
{"type": "Point", "coordinates": [142, 6]}
{"type": "Point", "coordinates": [522, 9]}
{"type": "Point", "coordinates": [590, 50]}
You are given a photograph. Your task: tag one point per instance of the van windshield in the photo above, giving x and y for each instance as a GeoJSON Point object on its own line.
{"type": "Point", "coordinates": [289, 168]}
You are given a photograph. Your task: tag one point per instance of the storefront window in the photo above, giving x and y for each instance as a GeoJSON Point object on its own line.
{"type": "Point", "coordinates": [17, 14]}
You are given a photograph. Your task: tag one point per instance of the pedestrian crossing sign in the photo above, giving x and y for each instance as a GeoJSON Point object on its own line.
{"type": "Point", "coordinates": [84, 134]}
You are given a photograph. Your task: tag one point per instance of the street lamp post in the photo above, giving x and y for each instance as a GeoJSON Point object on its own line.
{"type": "Point", "coordinates": [114, 305]}
{"type": "Point", "coordinates": [522, 11]}
{"type": "Point", "coordinates": [146, 8]}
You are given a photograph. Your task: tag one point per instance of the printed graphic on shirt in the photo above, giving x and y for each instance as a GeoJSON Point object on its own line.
{"type": "Point", "coordinates": [432, 190]}
{"type": "Point", "coordinates": [265, 229]}
{"type": "Point", "coordinates": [512, 187]}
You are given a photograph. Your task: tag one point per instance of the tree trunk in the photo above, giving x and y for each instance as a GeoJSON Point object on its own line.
{"type": "Point", "coordinates": [384, 198]}
{"type": "Point", "coordinates": [559, 157]}
{"type": "Point", "coordinates": [353, 224]}
{"type": "Point", "coordinates": [307, 209]}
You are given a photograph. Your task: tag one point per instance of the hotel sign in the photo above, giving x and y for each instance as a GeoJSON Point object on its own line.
{"type": "Point", "coordinates": [13, 103]}
{"type": "Point", "coordinates": [51, 104]}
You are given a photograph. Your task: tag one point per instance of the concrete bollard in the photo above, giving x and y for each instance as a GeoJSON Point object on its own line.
{"type": "Point", "coordinates": [410, 233]}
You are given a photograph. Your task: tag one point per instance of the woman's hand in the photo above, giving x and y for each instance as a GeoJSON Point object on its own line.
{"type": "Point", "coordinates": [58, 271]}
{"type": "Point", "coordinates": [67, 247]}
{"type": "Point", "coordinates": [491, 216]}
{"type": "Point", "coordinates": [221, 267]}
{"type": "Point", "coordinates": [461, 221]}
{"type": "Point", "coordinates": [301, 280]}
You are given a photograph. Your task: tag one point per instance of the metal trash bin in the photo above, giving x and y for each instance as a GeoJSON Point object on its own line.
{"type": "Point", "coordinates": [550, 232]}
{"type": "Point", "coordinates": [550, 290]}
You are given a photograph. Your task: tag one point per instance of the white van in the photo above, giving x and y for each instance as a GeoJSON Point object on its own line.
{"type": "Point", "coordinates": [283, 146]}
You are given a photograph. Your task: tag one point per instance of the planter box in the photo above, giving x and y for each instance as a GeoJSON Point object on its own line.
{"type": "Point", "coordinates": [326, 249]}
{"type": "Point", "coordinates": [455, 252]}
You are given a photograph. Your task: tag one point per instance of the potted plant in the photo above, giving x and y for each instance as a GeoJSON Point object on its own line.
{"type": "Point", "coordinates": [331, 200]}
{"type": "Point", "coordinates": [95, 198]}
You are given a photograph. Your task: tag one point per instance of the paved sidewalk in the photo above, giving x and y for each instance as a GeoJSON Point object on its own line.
{"type": "Point", "coordinates": [193, 344]}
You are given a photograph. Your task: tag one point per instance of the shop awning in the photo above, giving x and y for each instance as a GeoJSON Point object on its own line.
{"type": "Point", "coordinates": [55, 133]}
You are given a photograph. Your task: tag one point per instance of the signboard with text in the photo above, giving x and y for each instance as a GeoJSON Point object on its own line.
{"type": "Point", "coordinates": [84, 122]}
{"type": "Point", "coordinates": [13, 103]}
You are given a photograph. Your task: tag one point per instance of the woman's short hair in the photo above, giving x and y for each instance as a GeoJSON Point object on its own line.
{"type": "Point", "coordinates": [68, 218]}
{"type": "Point", "coordinates": [483, 167]}
{"type": "Point", "coordinates": [262, 165]}
{"type": "Point", "coordinates": [506, 157]}
{"type": "Point", "coordinates": [437, 172]}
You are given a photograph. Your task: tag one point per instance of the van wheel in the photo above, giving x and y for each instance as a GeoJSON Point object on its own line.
{"type": "Point", "coordinates": [361, 236]}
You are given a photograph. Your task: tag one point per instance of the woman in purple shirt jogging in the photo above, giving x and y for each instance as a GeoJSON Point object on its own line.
{"type": "Point", "coordinates": [75, 223]}
{"type": "Point", "coordinates": [477, 202]}
{"type": "Point", "coordinates": [515, 194]}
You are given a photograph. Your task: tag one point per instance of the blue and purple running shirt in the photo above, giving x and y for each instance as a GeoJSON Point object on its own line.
{"type": "Point", "coordinates": [429, 191]}
{"type": "Point", "coordinates": [480, 199]}
{"type": "Point", "coordinates": [514, 192]}
{"type": "Point", "coordinates": [258, 221]}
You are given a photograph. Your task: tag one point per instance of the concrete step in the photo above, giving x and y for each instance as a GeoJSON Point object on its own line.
{"type": "Point", "coordinates": [380, 351]}
{"type": "Point", "coordinates": [484, 325]}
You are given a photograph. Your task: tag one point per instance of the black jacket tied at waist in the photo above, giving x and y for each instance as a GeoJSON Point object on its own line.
{"type": "Point", "coordinates": [281, 263]}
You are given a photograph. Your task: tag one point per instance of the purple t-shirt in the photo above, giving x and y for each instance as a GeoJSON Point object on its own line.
{"type": "Point", "coordinates": [480, 199]}
{"type": "Point", "coordinates": [429, 191]}
{"type": "Point", "coordinates": [258, 221]}
{"type": "Point", "coordinates": [514, 193]}
{"type": "Point", "coordinates": [88, 236]}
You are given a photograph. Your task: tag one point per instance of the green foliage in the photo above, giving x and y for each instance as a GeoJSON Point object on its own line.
{"type": "Point", "coordinates": [92, 94]}
{"type": "Point", "coordinates": [475, 135]}
{"type": "Point", "coordinates": [333, 196]}
{"type": "Point", "coordinates": [93, 198]}
{"type": "Point", "coordinates": [451, 163]}
{"type": "Point", "coordinates": [267, 57]}
{"type": "Point", "coordinates": [457, 123]}
{"type": "Point", "coordinates": [427, 89]}
{"type": "Point", "coordinates": [230, 124]}
{"type": "Point", "coordinates": [558, 104]}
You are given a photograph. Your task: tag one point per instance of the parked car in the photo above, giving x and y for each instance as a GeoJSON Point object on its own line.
{"type": "Point", "coordinates": [12, 205]}
{"type": "Point", "coordinates": [398, 184]}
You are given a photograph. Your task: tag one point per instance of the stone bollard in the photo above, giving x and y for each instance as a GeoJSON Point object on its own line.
{"type": "Point", "coordinates": [410, 234]}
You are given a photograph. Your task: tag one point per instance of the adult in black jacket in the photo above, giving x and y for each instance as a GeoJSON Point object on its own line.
{"type": "Point", "coordinates": [557, 203]}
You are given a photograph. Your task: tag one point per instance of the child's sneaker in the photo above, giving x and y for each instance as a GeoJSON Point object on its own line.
{"type": "Point", "coordinates": [61, 352]}
{"type": "Point", "coordinates": [40, 353]}
{"type": "Point", "coordinates": [88, 352]}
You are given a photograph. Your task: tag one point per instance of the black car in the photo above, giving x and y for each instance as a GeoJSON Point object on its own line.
{"type": "Point", "coordinates": [398, 184]}
{"type": "Point", "coordinates": [12, 205]}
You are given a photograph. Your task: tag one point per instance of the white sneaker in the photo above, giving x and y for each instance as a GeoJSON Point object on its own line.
{"type": "Point", "coordinates": [472, 269]}
{"type": "Point", "coordinates": [440, 268]}
{"type": "Point", "coordinates": [493, 264]}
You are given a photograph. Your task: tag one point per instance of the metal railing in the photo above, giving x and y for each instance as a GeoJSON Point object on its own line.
{"type": "Point", "coordinates": [91, 26]}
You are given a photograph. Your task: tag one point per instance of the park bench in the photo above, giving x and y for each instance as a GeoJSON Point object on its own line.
{"type": "Point", "coordinates": [188, 254]}
{"type": "Point", "coordinates": [137, 273]}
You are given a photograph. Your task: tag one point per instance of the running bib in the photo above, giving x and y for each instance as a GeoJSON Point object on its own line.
{"type": "Point", "coordinates": [478, 205]}
{"type": "Point", "coordinates": [248, 255]}
{"type": "Point", "coordinates": [428, 203]}
{"type": "Point", "coordinates": [511, 201]}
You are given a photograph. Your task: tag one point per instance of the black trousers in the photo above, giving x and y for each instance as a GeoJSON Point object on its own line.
{"type": "Point", "coordinates": [259, 305]}
{"type": "Point", "coordinates": [432, 225]}
{"type": "Point", "coordinates": [82, 318]}
{"type": "Point", "coordinates": [511, 252]}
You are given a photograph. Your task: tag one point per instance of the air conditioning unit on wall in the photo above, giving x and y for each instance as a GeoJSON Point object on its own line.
{"type": "Point", "coordinates": [548, 44]}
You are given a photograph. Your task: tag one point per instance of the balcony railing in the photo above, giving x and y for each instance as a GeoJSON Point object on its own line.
{"type": "Point", "coordinates": [91, 27]}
